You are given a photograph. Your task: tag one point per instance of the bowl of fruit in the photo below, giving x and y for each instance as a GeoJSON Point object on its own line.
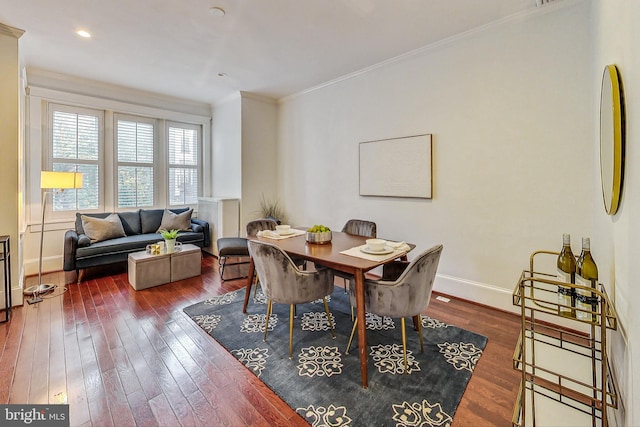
{"type": "Point", "coordinates": [319, 234]}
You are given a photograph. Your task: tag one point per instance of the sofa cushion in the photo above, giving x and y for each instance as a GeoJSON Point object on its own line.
{"type": "Point", "coordinates": [176, 221]}
{"type": "Point", "coordinates": [151, 219]}
{"type": "Point", "coordinates": [133, 243]}
{"type": "Point", "coordinates": [137, 242]}
{"type": "Point", "coordinates": [131, 222]}
{"type": "Point", "coordinates": [79, 228]}
{"type": "Point", "coordinates": [99, 229]}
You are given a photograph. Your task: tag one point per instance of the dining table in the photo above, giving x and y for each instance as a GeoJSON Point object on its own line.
{"type": "Point", "coordinates": [333, 255]}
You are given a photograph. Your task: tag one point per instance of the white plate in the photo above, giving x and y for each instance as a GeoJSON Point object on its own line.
{"type": "Point", "coordinates": [385, 251]}
{"type": "Point", "coordinates": [285, 234]}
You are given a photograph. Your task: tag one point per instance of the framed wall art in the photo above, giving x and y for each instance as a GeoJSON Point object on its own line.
{"type": "Point", "coordinates": [396, 167]}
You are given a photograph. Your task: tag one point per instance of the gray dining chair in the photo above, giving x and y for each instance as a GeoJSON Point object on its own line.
{"type": "Point", "coordinates": [403, 291]}
{"type": "Point", "coordinates": [357, 227]}
{"type": "Point", "coordinates": [281, 281]}
{"type": "Point", "coordinates": [253, 227]}
{"type": "Point", "coordinates": [260, 225]}
{"type": "Point", "coordinates": [360, 227]}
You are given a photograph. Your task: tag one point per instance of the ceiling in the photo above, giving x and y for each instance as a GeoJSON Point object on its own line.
{"type": "Point", "coordinates": [272, 48]}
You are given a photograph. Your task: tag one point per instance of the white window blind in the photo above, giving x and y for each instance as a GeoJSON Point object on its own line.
{"type": "Point", "coordinates": [183, 147]}
{"type": "Point", "coordinates": [152, 162]}
{"type": "Point", "coordinates": [75, 147]}
{"type": "Point", "coordinates": [135, 153]}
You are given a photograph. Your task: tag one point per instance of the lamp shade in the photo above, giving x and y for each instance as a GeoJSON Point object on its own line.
{"type": "Point", "coordinates": [60, 180]}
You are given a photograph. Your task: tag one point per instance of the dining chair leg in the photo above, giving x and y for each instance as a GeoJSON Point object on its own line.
{"type": "Point", "coordinates": [353, 332]}
{"type": "Point", "coordinates": [326, 309]}
{"type": "Point", "coordinates": [420, 332]}
{"type": "Point", "coordinates": [291, 309]}
{"type": "Point", "coordinates": [255, 285]}
{"type": "Point", "coordinates": [266, 320]}
{"type": "Point", "coordinates": [404, 343]}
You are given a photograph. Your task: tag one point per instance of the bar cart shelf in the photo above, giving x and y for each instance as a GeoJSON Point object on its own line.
{"type": "Point", "coordinates": [563, 360]}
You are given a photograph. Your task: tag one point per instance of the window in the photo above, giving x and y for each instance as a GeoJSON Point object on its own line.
{"type": "Point", "coordinates": [76, 147]}
{"type": "Point", "coordinates": [127, 161]}
{"type": "Point", "coordinates": [183, 141]}
{"type": "Point", "coordinates": [135, 148]}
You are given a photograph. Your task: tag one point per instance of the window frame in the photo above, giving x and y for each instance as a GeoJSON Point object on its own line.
{"type": "Point", "coordinates": [40, 101]}
{"type": "Point", "coordinates": [199, 160]}
{"type": "Point", "coordinates": [48, 159]}
{"type": "Point", "coordinates": [156, 165]}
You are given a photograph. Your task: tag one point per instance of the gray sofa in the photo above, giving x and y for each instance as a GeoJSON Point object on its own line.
{"type": "Point", "coordinates": [140, 228]}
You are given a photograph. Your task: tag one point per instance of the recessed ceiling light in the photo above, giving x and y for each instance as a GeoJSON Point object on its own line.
{"type": "Point", "coordinates": [217, 11]}
{"type": "Point", "coordinates": [83, 33]}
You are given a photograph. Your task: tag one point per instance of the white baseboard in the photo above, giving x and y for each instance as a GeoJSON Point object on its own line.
{"type": "Point", "coordinates": [480, 293]}
{"type": "Point", "coordinates": [16, 291]}
{"type": "Point", "coordinates": [49, 264]}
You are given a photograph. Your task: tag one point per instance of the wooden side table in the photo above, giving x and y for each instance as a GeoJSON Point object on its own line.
{"type": "Point", "coordinates": [5, 257]}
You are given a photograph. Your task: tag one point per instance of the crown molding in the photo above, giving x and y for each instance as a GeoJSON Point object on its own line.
{"type": "Point", "coordinates": [46, 79]}
{"type": "Point", "coordinates": [257, 97]}
{"type": "Point", "coordinates": [526, 14]}
{"type": "Point", "coordinates": [10, 31]}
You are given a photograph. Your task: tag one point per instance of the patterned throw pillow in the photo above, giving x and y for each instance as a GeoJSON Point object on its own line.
{"type": "Point", "coordinates": [99, 229]}
{"type": "Point", "coordinates": [173, 221]}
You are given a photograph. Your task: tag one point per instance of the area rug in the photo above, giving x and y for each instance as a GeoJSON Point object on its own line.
{"type": "Point", "coordinates": [323, 384]}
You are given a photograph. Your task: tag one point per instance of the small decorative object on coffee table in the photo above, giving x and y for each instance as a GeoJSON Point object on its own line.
{"type": "Point", "coordinates": [319, 234]}
{"type": "Point", "coordinates": [170, 239]}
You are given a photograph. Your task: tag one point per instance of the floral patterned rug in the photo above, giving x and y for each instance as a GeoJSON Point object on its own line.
{"type": "Point", "coordinates": [323, 384]}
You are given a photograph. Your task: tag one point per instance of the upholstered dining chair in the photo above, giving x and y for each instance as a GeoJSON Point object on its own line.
{"type": "Point", "coordinates": [357, 227]}
{"type": "Point", "coordinates": [403, 291]}
{"type": "Point", "coordinates": [360, 227]}
{"type": "Point", "coordinates": [284, 283]}
{"type": "Point", "coordinates": [260, 225]}
{"type": "Point", "coordinates": [253, 227]}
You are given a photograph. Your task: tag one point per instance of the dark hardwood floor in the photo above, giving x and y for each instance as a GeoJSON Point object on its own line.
{"type": "Point", "coordinates": [122, 357]}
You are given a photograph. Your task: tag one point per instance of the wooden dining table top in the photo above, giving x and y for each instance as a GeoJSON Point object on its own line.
{"type": "Point", "coordinates": [327, 254]}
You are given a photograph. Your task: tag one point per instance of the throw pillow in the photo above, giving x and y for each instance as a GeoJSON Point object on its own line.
{"type": "Point", "coordinates": [83, 241]}
{"type": "Point", "coordinates": [102, 229]}
{"type": "Point", "coordinates": [173, 221]}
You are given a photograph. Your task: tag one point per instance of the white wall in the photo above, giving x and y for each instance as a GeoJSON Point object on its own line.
{"type": "Point", "coordinates": [245, 157]}
{"type": "Point", "coordinates": [259, 154]}
{"type": "Point", "coordinates": [227, 148]}
{"type": "Point", "coordinates": [11, 149]}
{"type": "Point", "coordinates": [616, 36]}
{"type": "Point", "coordinates": [510, 108]}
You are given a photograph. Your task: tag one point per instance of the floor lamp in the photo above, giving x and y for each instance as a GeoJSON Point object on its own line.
{"type": "Point", "coordinates": [50, 182]}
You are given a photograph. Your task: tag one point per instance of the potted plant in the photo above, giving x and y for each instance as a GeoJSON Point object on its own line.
{"type": "Point", "coordinates": [271, 209]}
{"type": "Point", "coordinates": [169, 239]}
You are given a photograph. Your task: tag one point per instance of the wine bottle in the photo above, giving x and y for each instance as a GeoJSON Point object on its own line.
{"type": "Point", "coordinates": [566, 274]}
{"type": "Point", "coordinates": [586, 275]}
